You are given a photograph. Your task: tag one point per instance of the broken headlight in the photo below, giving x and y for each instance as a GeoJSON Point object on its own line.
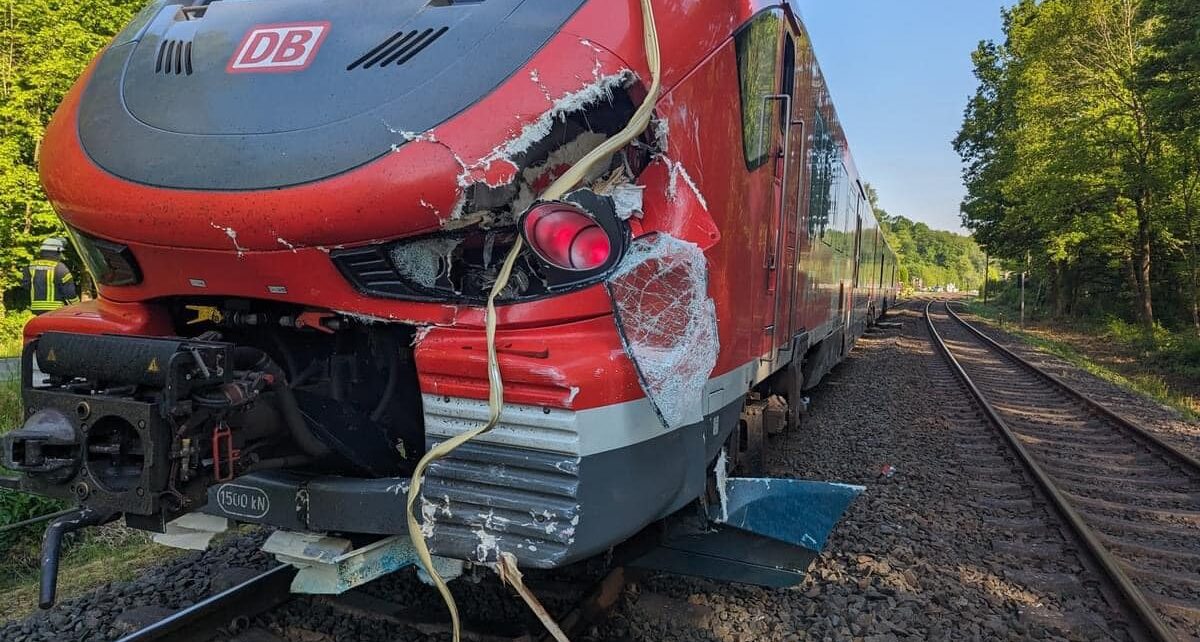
{"type": "Point", "coordinates": [110, 263]}
{"type": "Point", "coordinates": [462, 265]}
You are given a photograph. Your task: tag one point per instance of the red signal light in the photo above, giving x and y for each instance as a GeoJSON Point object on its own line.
{"type": "Point", "coordinates": [566, 237]}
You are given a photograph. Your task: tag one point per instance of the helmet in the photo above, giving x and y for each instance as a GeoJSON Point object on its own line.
{"type": "Point", "coordinates": [54, 244]}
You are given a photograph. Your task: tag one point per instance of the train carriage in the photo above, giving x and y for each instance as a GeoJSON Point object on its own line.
{"type": "Point", "coordinates": [295, 212]}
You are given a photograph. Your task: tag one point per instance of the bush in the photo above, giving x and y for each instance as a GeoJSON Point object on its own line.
{"type": "Point", "coordinates": [12, 325]}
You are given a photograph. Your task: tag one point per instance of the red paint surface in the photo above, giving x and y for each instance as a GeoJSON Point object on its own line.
{"type": "Point", "coordinates": [547, 348]}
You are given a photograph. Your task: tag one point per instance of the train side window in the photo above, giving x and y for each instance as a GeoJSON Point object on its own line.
{"type": "Point", "coordinates": [757, 47]}
{"type": "Point", "coordinates": [822, 178]}
{"type": "Point", "coordinates": [787, 80]}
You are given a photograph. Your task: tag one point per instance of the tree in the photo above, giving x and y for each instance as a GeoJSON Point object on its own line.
{"type": "Point", "coordinates": [44, 46]}
{"type": "Point", "coordinates": [1066, 163]}
{"type": "Point", "coordinates": [1170, 77]}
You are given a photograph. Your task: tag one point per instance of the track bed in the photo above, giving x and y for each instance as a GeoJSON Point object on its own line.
{"type": "Point", "coordinates": [1132, 500]}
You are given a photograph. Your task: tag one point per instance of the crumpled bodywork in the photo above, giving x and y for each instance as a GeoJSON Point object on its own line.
{"type": "Point", "coordinates": [668, 323]}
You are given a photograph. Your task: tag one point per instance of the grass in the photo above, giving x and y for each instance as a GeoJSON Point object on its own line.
{"type": "Point", "coordinates": [96, 557]}
{"type": "Point", "coordinates": [1157, 365]}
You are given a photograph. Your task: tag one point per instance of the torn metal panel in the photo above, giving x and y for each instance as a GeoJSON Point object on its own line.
{"type": "Point", "coordinates": [795, 511]}
{"type": "Point", "coordinates": [775, 529]}
{"type": "Point", "coordinates": [596, 90]}
{"type": "Point", "coordinates": [668, 323]}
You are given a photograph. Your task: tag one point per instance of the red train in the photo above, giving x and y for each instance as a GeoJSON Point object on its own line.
{"type": "Point", "coordinates": [294, 212]}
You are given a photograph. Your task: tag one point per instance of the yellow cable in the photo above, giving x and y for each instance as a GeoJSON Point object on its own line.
{"type": "Point", "coordinates": [637, 124]}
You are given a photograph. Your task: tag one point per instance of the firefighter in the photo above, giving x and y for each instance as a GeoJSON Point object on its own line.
{"type": "Point", "coordinates": [48, 280]}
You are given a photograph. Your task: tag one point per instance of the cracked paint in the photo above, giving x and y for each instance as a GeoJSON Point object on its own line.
{"type": "Point", "coordinates": [232, 234]}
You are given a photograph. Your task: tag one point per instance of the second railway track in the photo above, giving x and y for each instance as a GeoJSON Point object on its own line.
{"type": "Point", "coordinates": [1131, 499]}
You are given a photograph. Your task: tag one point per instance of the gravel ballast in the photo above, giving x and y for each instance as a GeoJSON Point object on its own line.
{"type": "Point", "coordinates": [941, 549]}
{"type": "Point", "coordinates": [947, 542]}
{"type": "Point", "coordinates": [1162, 420]}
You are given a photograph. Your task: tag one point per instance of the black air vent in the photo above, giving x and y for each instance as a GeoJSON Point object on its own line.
{"type": "Point", "coordinates": [174, 57]}
{"type": "Point", "coordinates": [398, 49]}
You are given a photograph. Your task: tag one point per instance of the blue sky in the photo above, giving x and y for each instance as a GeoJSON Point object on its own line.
{"type": "Point", "coordinates": [900, 75]}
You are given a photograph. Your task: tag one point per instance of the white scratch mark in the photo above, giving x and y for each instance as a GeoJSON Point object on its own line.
{"type": "Point", "coordinates": [488, 543]}
{"type": "Point", "coordinates": [232, 234]}
{"type": "Point", "coordinates": [676, 171]}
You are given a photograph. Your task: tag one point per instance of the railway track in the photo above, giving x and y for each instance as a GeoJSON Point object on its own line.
{"type": "Point", "coordinates": [1131, 500]}
{"type": "Point", "coordinates": [225, 615]}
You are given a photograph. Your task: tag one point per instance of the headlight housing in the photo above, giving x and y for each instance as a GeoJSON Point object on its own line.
{"type": "Point", "coordinates": [462, 265]}
{"type": "Point", "coordinates": [109, 262]}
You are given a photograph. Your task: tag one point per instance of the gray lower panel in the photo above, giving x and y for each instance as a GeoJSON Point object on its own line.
{"type": "Point", "coordinates": [547, 509]}
{"type": "Point", "coordinates": [480, 506]}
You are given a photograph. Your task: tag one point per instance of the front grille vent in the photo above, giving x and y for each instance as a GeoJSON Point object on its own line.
{"type": "Point", "coordinates": [174, 57]}
{"type": "Point", "coordinates": [398, 49]}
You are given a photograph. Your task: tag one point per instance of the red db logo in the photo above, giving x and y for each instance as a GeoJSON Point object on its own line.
{"type": "Point", "coordinates": [279, 47]}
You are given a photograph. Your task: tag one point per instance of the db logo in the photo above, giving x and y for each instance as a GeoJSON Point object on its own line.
{"type": "Point", "coordinates": [279, 47]}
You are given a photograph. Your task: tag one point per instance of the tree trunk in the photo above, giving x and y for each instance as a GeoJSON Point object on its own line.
{"type": "Point", "coordinates": [1142, 271]}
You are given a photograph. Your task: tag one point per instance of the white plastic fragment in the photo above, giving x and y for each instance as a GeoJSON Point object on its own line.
{"type": "Point", "coordinates": [668, 323]}
{"type": "Point", "coordinates": [721, 469]}
{"type": "Point", "coordinates": [448, 568]}
{"type": "Point", "coordinates": [192, 532]}
{"type": "Point", "coordinates": [627, 199]}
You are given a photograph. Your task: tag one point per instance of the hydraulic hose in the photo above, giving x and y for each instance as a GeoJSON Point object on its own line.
{"type": "Point", "coordinates": [637, 124]}
{"type": "Point", "coordinates": [254, 359]}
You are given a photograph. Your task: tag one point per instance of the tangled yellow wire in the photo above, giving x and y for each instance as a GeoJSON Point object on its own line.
{"type": "Point", "coordinates": [506, 566]}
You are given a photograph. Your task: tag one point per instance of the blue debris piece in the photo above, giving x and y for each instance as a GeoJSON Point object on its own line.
{"type": "Point", "coordinates": [764, 532]}
{"type": "Point", "coordinates": [795, 511]}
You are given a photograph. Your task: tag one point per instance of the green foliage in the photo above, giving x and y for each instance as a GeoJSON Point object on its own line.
{"type": "Point", "coordinates": [1081, 158]}
{"type": "Point", "coordinates": [932, 257]}
{"type": "Point", "coordinates": [44, 46]}
{"type": "Point", "coordinates": [11, 338]}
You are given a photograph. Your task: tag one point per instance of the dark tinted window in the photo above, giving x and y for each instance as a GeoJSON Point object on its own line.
{"type": "Point", "coordinates": [757, 47]}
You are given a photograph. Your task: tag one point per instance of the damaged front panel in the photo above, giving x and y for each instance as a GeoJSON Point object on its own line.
{"type": "Point", "coordinates": [461, 262]}
{"type": "Point", "coordinates": [668, 323]}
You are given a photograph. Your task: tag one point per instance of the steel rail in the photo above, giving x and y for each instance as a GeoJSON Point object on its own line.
{"type": "Point", "coordinates": [201, 622]}
{"type": "Point", "coordinates": [1095, 549]}
{"type": "Point", "coordinates": [1138, 431]}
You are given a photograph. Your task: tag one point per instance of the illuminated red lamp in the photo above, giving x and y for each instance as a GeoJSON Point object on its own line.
{"type": "Point", "coordinates": [566, 237]}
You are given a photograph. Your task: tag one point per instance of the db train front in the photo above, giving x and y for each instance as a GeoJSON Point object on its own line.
{"type": "Point", "coordinates": [294, 212]}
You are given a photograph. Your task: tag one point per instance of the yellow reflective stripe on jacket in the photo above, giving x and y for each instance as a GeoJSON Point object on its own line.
{"type": "Point", "coordinates": [50, 301]}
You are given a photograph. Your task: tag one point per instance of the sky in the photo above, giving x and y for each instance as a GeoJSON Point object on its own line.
{"type": "Point", "coordinates": [900, 74]}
